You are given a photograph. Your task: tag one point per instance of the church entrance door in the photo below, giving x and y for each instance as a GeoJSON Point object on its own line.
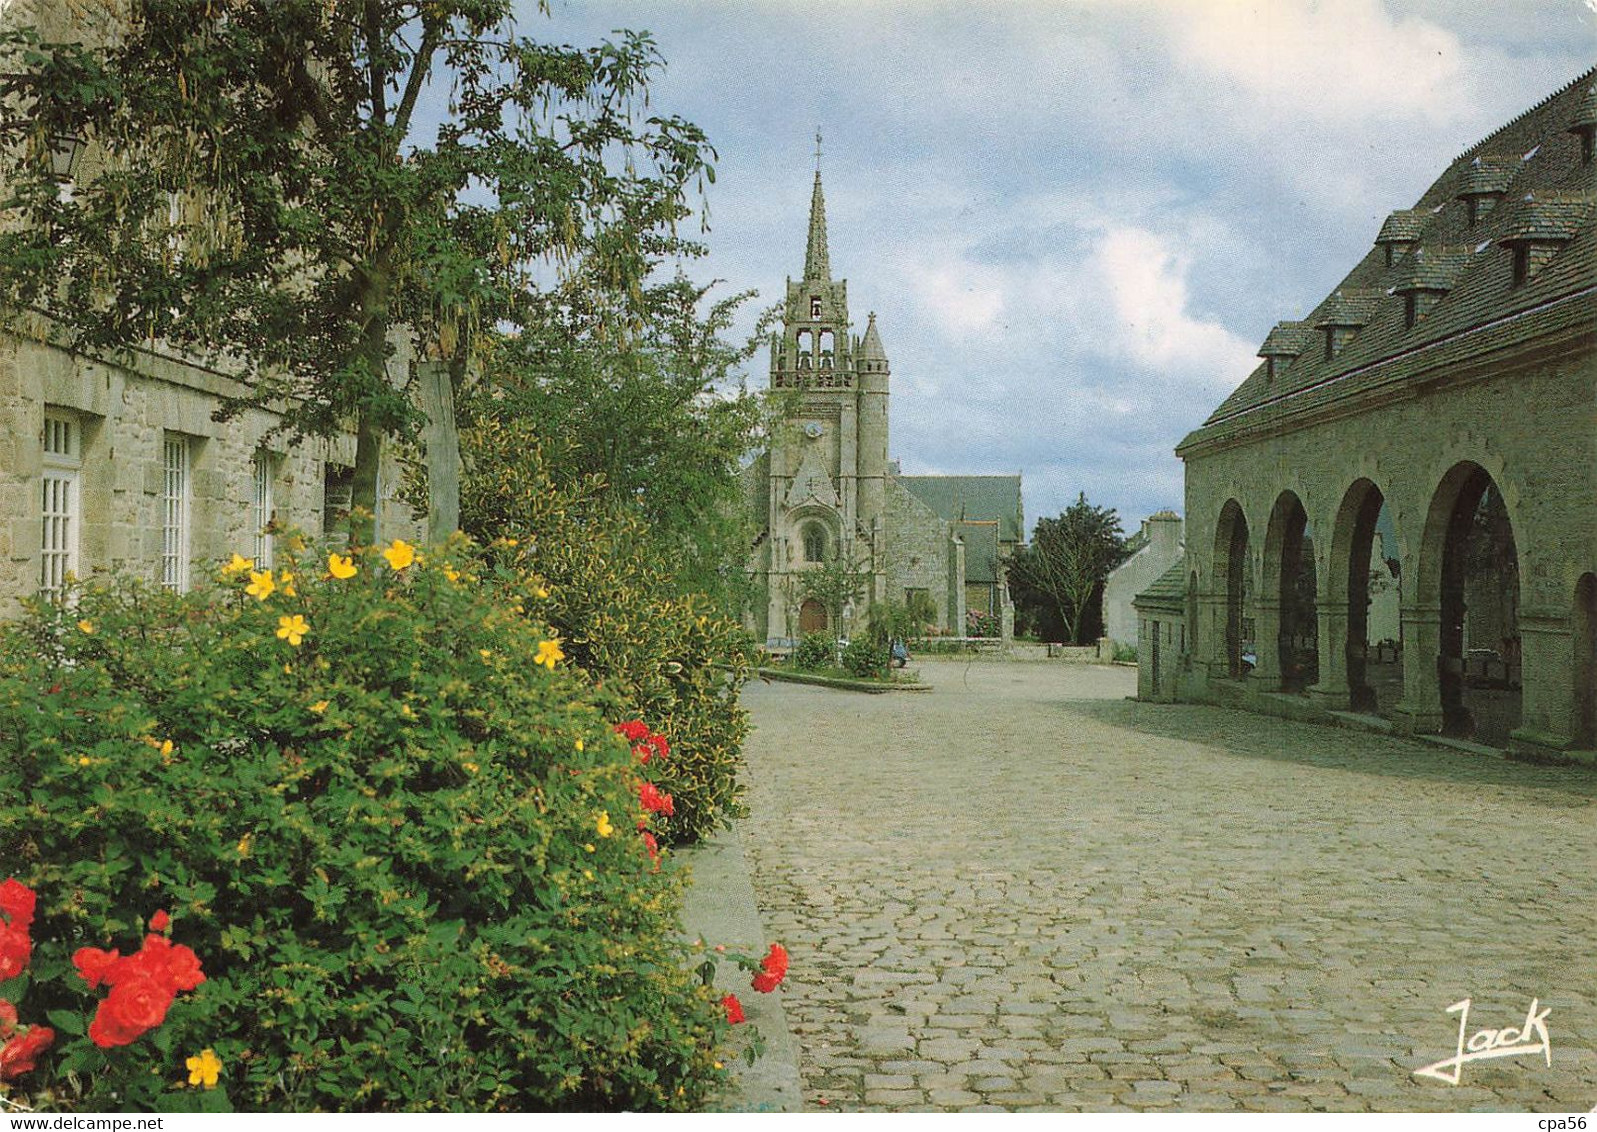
{"type": "Point", "coordinates": [812, 617]}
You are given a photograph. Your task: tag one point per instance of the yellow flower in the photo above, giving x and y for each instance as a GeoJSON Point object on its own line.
{"type": "Point", "coordinates": [579, 745]}
{"type": "Point", "coordinates": [451, 573]}
{"type": "Point", "coordinates": [400, 554]}
{"type": "Point", "coordinates": [472, 767]}
{"type": "Point", "coordinates": [261, 584]}
{"type": "Point", "coordinates": [485, 653]}
{"type": "Point", "coordinates": [237, 565]}
{"type": "Point", "coordinates": [319, 706]}
{"type": "Point", "coordinates": [84, 760]}
{"type": "Point", "coordinates": [341, 566]}
{"type": "Point", "coordinates": [244, 845]}
{"type": "Point", "coordinates": [590, 848]}
{"type": "Point", "coordinates": [203, 1070]}
{"type": "Point", "coordinates": [542, 592]}
{"type": "Point", "coordinates": [548, 653]}
{"type": "Point", "coordinates": [603, 824]}
{"type": "Point", "coordinates": [292, 629]}
{"type": "Point", "coordinates": [286, 580]}
{"type": "Point", "coordinates": [86, 626]}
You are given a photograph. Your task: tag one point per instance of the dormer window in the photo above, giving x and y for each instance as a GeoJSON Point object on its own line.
{"type": "Point", "coordinates": [1342, 316]}
{"type": "Point", "coordinates": [1401, 233]}
{"type": "Point", "coordinates": [1541, 227]}
{"type": "Point", "coordinates": [1425, 279]}
{"type": "Point", "coordinates": [1585, 123]}
{"type": "Point", "coordinates": [815, 306]}
{"type": "Point", "coordinates": [1485, 182]}
{"type": "Point", "coordinates": [1282, 346]}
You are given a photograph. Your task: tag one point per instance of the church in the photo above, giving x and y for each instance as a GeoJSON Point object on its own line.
{"type": "Point", "coordinates": [827, 491]}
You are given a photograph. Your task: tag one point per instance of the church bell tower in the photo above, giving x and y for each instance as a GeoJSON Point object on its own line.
{"type": "Point", "coordinates": [828, 466]}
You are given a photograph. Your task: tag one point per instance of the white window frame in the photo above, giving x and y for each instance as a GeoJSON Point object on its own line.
{"type": "Point", "coordinates": [60, 505]}
{"type": "Point", "coordinates": [177, 463]}
{"type": "Point", "coordinates": [263, 471]}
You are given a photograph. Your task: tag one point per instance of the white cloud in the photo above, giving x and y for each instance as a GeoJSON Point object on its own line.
{"type": "Point", "coordinates": [1146, 283]}
{"type": "Point", "coordinates": [1331, 60]}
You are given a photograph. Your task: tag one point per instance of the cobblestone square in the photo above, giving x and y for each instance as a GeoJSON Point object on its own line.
{"type": "Point", "coordinates": [1023, 891]}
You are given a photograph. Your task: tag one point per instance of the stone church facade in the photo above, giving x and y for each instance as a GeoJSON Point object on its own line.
{"type": "Point", "coordinates": [826, 490]}
{"type": "Point", "coordinates": [1428, 430]}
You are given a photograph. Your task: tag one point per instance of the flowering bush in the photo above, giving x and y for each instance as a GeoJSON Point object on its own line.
{"type": "Point", "coordinates": [411, 860]}
{"type": "Point", "coordinates": [669, 657]}
{"type": "Point", "coordinates": [978, 624]}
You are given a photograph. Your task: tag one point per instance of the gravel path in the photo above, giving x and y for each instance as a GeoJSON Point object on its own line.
{"type": "Point", "coordinates": [1022, 891]}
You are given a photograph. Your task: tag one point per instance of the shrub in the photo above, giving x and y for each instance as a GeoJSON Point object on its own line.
{"type": "Point", "coordinates": [398, 832]}
{"type": "Point", "coordinates": [669, 658]}
{"type": "Point", "coordinates": [815, 651]}
{"type": "Point", "coordinates": [866, 659]}
{"type": "Point", "coordinates": [978, 624]}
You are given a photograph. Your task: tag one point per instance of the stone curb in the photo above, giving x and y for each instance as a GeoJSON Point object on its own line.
{"type": "Point", "coordinates": [786, 677]}
{"type": "Point", "coordinates": [720, 908]}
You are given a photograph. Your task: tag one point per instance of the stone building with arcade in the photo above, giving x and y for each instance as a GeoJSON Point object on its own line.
{"type": "Point", "coordinates": [826, 489]}
{"type": "Point", "coordinates": [1430, 428]}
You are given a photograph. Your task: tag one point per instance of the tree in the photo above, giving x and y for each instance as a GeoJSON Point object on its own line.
{"type": "Point", "coordinates": [660, 417]}
{"type": "Point", "coordinates": [836, 583]}
{"type": "Point", "coordinates": [1067, 562]}
{"type": "Point", "coordinates": [261, 195]}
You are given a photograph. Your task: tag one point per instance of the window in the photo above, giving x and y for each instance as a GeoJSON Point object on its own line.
{"type": "Point", "coordinates": [175, 489]}
{"type": "Point", "coordinates": [815, 306]}
{"type": "Point", "coordinates": [338, 496]}
{"type": "Point", "coordinates": [814, 543]}
{"type": "Point", "coordinates": [261, 475]}
{"type": "Point", "coordinates": [59, 509]}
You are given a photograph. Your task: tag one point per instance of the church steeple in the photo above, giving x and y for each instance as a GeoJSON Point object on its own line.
{"type": "Point", "coordinates": [816, 264]}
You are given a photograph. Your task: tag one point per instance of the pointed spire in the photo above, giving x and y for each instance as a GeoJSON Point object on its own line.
{"type": "Point", "coordinates": [817, 265]}
{"type": "Point", "coordinates": [870, 349]}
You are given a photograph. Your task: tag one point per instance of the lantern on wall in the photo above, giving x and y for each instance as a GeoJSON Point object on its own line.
{"type": "Point", "coordinates": [66, 153]}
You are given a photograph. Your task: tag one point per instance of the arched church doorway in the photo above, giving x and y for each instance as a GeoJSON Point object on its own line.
{"type": "Point", "coordinates": [812, 617]}
{"type": "Point", "coordinates": [1478, 667]}
{"type": "Point", "coordinates": [1585, 642]}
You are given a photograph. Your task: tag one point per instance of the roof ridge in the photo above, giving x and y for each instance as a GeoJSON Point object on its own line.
{"type": "Point", "coordinates": [1522, 115]}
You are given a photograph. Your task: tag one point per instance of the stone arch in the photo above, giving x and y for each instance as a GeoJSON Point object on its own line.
{"type": "Point", "coordinates": [1584, 635]}
{"type": "Point", "coordinates": [1469, 557]}
{"type": "Point", "coordinates": [1289, 620]}
{"type": "Point", "coordinates": [1373, 676]}
{"type": "Point", "coordinates": [1231, 584]}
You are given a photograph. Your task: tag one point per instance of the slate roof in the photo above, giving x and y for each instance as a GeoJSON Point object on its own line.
{"type": "Point", "coordinates": [1403, 226]}
{"type": "Point", "coordinates": [959, 498]}
{"type": "Point", "coordinates": [1287, 339]}
{"type": "Point", "coordinates": [981, 549]}
{"type": "Point", "coordinates": [1168, 590]}
{"type": "Point", "coordinates": [1483, 313]}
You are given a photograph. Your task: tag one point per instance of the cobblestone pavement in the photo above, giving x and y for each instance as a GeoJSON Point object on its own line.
{"type": "Point", "coordinates": [1021, 891]}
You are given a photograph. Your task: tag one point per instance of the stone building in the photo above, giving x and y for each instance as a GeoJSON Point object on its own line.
{"type": "Point", "coordinates": [1151, 552]}
{"type": "Point", "coordinates": [826, 490]}
{"type": "Point", "coordinates": [116, 463]}
{"type": "Point", "coordinates": [1443, 397]}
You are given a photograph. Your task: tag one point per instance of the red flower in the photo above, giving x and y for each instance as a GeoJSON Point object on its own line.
{"type": "Point", "coordinates": [16, 948]}
{"type": "Point", "coordinates": [734, 1009]}
{"type": "Point", "coordinates": [160, 921]}
{"type": "Point", "coordinates": [653, 847]}
{"type": "Point", "coordinates": [654, 801]}
{"type": "Point", "coordinates": [8, 1019]}
{"type": "Point", "coordinates": [94, 964]}
{"type": "Point", "coordinates": [143, 986]}
{"type": "Point", "coordinates": [18, 1055]}
{"type": "Point", "coordinates": [17, 902]}
{"type": "Point", "coordinates": [773, 969]}
{"type": "Point", "coordinates": [661, 747]}
{"type": "Point", "coordinates": [635, 730]}
{"type": "Point", "coordinates": [135, 1005]}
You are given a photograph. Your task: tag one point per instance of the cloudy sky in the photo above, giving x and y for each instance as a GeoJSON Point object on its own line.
{"type": "Point", "coordinates": [1077, 219]}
